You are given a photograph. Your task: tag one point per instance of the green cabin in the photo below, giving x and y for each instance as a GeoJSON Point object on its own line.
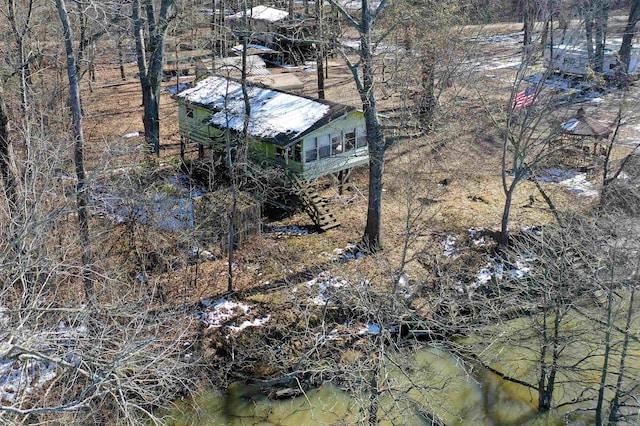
{"type": "Point", "coordinates": [308, 137]}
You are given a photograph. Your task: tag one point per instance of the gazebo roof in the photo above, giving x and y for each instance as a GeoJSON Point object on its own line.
{"type": "Point", "coordinates": [581, 125]}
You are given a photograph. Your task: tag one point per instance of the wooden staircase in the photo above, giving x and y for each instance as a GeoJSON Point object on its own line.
{"type": "Point", "coordinates": [315, 206]}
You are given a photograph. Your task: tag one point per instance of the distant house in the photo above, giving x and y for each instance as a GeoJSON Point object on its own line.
{"type": "Point", "coordinates": [291, 37]}
{"type": "Point", "coordinates": [308, 137]}
{"type": "Point", "coordinates": [264, 22]}
{"type": "Point", "coordinates": [575, 60]}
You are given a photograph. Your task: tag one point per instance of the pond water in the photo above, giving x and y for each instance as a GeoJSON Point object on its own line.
{"type": "Point", "coordinates": [438, 384]}
{"type": "Point", "coordinates": [431, 381]}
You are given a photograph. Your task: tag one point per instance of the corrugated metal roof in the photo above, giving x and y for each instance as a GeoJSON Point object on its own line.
{"type": "Point", "coordinates": [581, 125]}
{"type": "Point", "coordinates": [275, 115]}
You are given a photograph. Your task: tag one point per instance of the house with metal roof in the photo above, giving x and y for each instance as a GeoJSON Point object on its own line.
{"type": "Point", "coordinates": [574, 60]}
{"type": "Point", "coordinates": [307, 136]}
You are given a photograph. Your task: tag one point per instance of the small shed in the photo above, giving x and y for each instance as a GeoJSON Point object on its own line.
{"type": "Point", "coordinates": [583, 128]}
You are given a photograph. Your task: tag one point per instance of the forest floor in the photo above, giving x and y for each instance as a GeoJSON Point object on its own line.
{"type": "Point", "coordinates": [446, 183]}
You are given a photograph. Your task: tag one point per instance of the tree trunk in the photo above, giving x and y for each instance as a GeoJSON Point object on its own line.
{"type": "Point", "coordinates": [504, 229]}
{"type": "Point", "coordinates": [588, 27]}
{"type": "Point", "coordinates": [374, 394]}
{"type": "Point", "coordinates": [544, 402]}
{"type": "Point", "coordinates": [78, 151]}
{"type": "Point", "coordinates": [20, 36]}
{"type": "Point", "coordinates": [236, 155]}
{"type": "Point", "coordinates": [319, 50]}
{"type": "Point", "coordinates": [601, 18]}
{"type": "Point", "coordinates": [427, 102]}
{"type": "Point", "coordinates": [372, 239]}
{"type": "Point", "coordinates": [614, 407]}
{"type": "Point", "coordinates": [150, 66]}
{"type": "Point", "coordinates": [529, 20]}
{"type": "Point", "coordinates": [8, 178]}
{"type": "Point", "coordinates": [123, 76]}
{"type": "Point", "coordinates": [627, 37]}
{"type": "Point", "coordinates": [606, 356]}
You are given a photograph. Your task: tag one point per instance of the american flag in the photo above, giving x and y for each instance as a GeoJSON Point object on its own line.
{"type": "Point", "coordinates": [525, 98]}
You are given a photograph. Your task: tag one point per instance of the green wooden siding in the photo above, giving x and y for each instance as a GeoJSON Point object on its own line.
{"type": "Point", "coordinates": [336, 161]}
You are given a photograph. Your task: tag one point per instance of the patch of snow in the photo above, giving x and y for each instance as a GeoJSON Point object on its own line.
{"type": "Point", "coordinates": [512, 38]}
{"type": "Point", "coordinates": [621, 176]}
{"type": "Point", "coordinates": [483, 276]}
{"type": "Point", "coordinates": [570, 124]}
{"type": "Point", "coordinates": [351, 252]}
{"type": "Point", "coordinates": [580, 185]}
{"type": "Point", "coordinates": [257, 322]}
{"type": "Point", "coordinates": [324, 286]}
{"type": "Point", "coordinates": [177, 88]}
{"type": "Point", "coordinates": [4, 317]}
{"type": "Point", "coordinates": [535, 230]}
{"type": "Point", "coordinates": [130, 135]}
{"type": "Point", "coordinates": [21, 376]}
{"type": "Point", "coordinates": [262, 13]}
{"type": "Point", "coordinates": [476, 238]}
{"type": "Point", "coordinates": [272, 113]}
{"type": "Point", "coordinates": [289, 230]}
{"type": "Point", "coordinates": [201, 254]}
{"type": "Point", "coordinates": [222, 312]}
{"type": "Point", "coordinates": [496, 271]}
{"type": "Point", "coordinates": [18, 377]}
{"type": "Point", "coordinates": [575, 182]}
{"type": "Point", "coordinates": [497, 65]}
{"type": "Point", "coordinates": [370, 329]}
{"type": "Point", "coordinates": [555, 175]}
{"type": "Point", "coordinates": [449, 245]}
{"type": "Point", "coordinates": [405, 287]}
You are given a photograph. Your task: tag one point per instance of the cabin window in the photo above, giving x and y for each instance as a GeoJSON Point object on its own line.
{"type": "Point", "coordinates": [297, 152]}
{"type": "Point", "coordinates": [350, 140]}
{"type": "Point", "coordinates": [361, 138]}
{"type": "Point", "coordinates": [336, 144]}
{"type": "Point", "coordinates": [190, 112]}
{"type": "Point", "coordinates": [311, 153]}
{"type": "Point", "coordinates": [324, 146]}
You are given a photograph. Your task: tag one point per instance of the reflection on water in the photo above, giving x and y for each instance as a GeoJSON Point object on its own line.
{"type": "Point", "coordinates": [437, 384]}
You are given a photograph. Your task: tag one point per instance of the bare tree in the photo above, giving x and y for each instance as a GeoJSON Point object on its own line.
{"type": "Point", "coordinates": [527, 138]}
{"type": "Point", "coordinates": [8, 178]}
{"type": "Point", "coordinates": [150, 58]}
{"type": "Point", "coordinates": [82, 195]}
{"type": "Point", "coordinates": [627, 37]}
{"type": "Point", "coordinates": [364, 77]}
{"type": "Point", "coordinates": [596, 15]}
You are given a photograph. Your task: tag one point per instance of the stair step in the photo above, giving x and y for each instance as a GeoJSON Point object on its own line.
{"type": "Point", "coordinates": [324, 221]}
{"type": "Point", "coordinates": [329, 226]}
